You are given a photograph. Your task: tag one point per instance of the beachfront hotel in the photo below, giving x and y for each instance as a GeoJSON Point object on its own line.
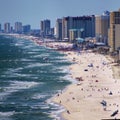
{"type": "Point", "coordinates": [102, 24]}
{"type": "Point", "coordinates": [114, 31]}
{"type": "Point", "coordinates": [84, 23]}
{"type": "Point", "coordinates": [26, 29]}
{"type": "Point", "coordinates": [45, 26]}
{"type": "Point", "coordinates": [18, 27]}
{"type": "Point", "coordinates": [58, 27]}
{"type": "Point", "coordinates": [7, 28]}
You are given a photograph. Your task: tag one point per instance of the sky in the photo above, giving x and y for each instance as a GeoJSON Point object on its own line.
{"type": "Point", "coordinates": [33, 11]}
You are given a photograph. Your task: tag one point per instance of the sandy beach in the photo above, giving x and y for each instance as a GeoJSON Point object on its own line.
{"type": "Point", "coordinates": [96, 95]}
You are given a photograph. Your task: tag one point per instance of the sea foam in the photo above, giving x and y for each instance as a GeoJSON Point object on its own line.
{"type": "Point", "coordinates": [7, 114]}
{"type": "Point", "coordinates": [16, 86]}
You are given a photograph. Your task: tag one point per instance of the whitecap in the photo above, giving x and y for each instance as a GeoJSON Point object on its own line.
{"type": "Point", "coordinates": [16, 86]}
{"type": "Point", "coordinates": [56, 113]}
{"type": "Point", "coordinates": [7, 114]}
{"type": "Point", "coordinates": [68, 78]}
{"type": "Point", "coordinates": [26, 60]}
{"type": "Point", "coordinates": [37, 65]}
{"type": "Point", "coordinates": [19, 44]}
{"type": "Point", "coordinates": [64, 69]}
{"type": "Point", "coordinates": [45, 107]}
{"type": "Point", "coordinates": [38, 96]}
{"type": "Point", "coordinates": [37, 56]}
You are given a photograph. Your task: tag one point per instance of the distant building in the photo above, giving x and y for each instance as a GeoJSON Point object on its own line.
{"type": "Point", "coordinates": [35, 32]}
{"type": "Point", "coordinates": [45, 28]}
{"type": "Point", "coordinates": [86, 23]}
{"type": "Point", "coordinates": [7, 28]}
{"type": "Point", "coordinates": [114, 31]}
{"type": "Point", "coordinates": [102, 25]}
{"type": "Point", "coordinates": [59, 29]}
{"type": "Point", "coordinates": [52, 31]}
{"type": "Point", "coordinates": [18, 27]}
{"type": "Point", "coordinates": [11, 29]}
{"type": "Point", "coordinates": [26, 29]}
{"type": "Point", "coordinates": [0, 27]}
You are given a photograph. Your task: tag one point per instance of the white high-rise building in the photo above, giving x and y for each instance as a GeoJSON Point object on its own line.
{"type": "Point", "coordinates": [59, 29]}
{"type": "Point", "coordinates": [7, 28]}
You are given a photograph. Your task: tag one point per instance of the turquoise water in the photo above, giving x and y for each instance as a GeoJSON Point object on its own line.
{"type": "Point", "coordinates": [29, 76]}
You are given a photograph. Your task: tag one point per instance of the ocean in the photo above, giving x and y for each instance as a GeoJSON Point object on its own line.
{"type": "Point", "coordinates": [30, 75]}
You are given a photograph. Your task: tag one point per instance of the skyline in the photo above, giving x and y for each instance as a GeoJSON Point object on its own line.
{"type": "Point", "coordinates": [32, 12]}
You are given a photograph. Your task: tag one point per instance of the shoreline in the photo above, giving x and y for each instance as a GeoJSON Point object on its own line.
{"type": "Point", "coordinates": [95, 86]}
